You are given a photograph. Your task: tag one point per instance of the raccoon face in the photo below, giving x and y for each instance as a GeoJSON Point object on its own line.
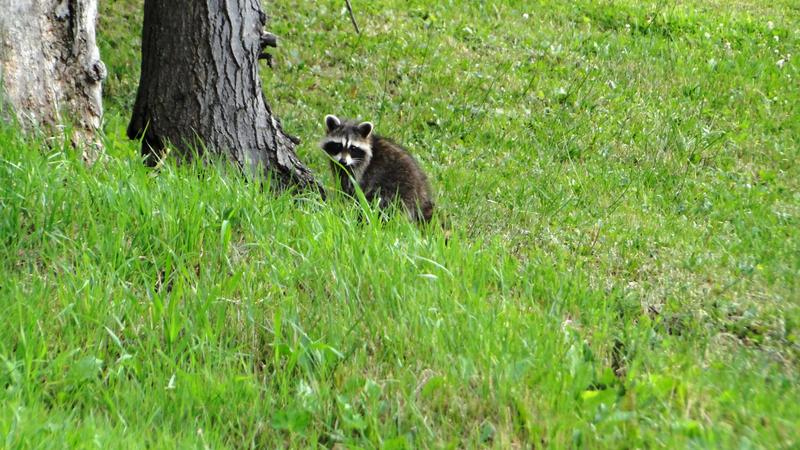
{"type": "Point", "coordinates": [348, 143]}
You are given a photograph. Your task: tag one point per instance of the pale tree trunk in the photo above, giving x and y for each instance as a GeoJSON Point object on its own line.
{"type": "Point", "coordinates": [50, 68]}
{"type": "Point", "coordinates": [200, 90]}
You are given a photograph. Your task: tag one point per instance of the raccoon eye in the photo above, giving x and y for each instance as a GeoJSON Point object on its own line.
{"type": "Point", "coordinates": [356, 152]}
{"type": "Point", "coordinates": [332, 148]}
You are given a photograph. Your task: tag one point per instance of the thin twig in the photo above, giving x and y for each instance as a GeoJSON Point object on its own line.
{"type": "Point", "coordinates": [352, 16]}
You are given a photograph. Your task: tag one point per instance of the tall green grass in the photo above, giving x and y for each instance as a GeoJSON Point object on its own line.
{"type": "Point", "coordinates": [621, 181]}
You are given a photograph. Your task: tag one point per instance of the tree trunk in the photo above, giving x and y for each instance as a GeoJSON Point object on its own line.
{"type": "Point", "coordinates": [50, 68]}
{"type": "Point", "coordinates": [200, 89]}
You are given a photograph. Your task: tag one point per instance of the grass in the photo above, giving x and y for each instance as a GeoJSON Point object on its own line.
{"type": "Point", "coordinates": [622, 182]}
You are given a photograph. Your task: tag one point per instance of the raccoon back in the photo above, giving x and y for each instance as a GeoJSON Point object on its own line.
{"type": "Point", "coordinates": [394, 173]}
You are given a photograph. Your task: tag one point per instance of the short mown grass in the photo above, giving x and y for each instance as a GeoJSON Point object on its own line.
{"type": "Point", "coordinates": [621, 183]}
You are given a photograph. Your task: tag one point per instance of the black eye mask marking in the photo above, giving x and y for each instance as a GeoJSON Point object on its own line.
{"type": "Point", "coordinates": [356, 152]}
{"type": "Point", "coordinates": [332, 148]}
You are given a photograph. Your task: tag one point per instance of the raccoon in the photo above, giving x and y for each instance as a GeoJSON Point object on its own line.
{"type": "Point", "coordinates": [382, 169]}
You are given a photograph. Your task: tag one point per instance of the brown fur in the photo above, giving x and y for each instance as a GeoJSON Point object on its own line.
{"type": "Point", "coordinates": [394, 173]}
{"type": "Point", "coordinates": [391, 173]}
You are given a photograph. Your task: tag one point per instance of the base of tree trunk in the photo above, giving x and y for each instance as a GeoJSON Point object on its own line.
{"type": "Point", "coordinates": [50, 68]}
{"type": "Point", "coordinates": [200, 89]}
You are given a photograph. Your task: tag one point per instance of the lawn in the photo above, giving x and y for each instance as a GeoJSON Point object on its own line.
{"type": "Point", "coordinates": [622, 188]}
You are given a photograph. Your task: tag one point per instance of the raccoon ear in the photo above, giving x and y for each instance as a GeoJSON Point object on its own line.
{"type": "Point", "coordinates": [365, 129]}
{"type": "Point", "coordinates": [332, 122]}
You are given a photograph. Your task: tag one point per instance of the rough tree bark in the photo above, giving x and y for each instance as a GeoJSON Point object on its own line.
{"type": "Point", "coordinates": [200, 89]}
{"type": "Point", "coordinates": [50, 67]}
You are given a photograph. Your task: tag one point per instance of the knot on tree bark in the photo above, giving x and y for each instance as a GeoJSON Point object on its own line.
{"type": "Point", "coordinates": [267, 39]}
{"type": "Point", "coordinates": [63, 10]}
{"type": "Point", "coordinates": [96, 71]}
